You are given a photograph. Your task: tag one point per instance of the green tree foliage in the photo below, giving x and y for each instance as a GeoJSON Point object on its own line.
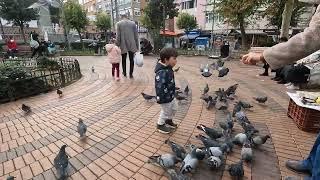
{"type": "Point", "coordinates": [17, 12]}
{"type": "Point", "coordinates": [103, 22]}
{"type": "Point", "coordinates": [187, 22]}
{"type": "Point", "coordinates": [55, 15]}
{"type": "Point", "coordinates": [154, 18]}
{"type": "Point", "coordinates": [237, 13]}
{"type": "Point", "coordinates": [75, 17]}
{"type": "Point", "coordinates": [275, 9]}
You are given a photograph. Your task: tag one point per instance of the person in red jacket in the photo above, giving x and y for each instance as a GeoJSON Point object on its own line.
{"type": "Point", "coordinates": [12, 47]}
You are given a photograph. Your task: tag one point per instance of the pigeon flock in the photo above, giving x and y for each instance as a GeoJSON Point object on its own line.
{"type": "Point", "coordinates": [219, 141]}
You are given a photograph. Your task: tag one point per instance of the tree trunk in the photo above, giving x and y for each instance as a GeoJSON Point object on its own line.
{"type": "Point", "coordinates": [112, 15]}
{"type": "Point", "coordinates": [157, 43]}
{"type": "Point", "coordinates": [243, 33]}
{"type": "Point", "coordinates": [132, 10]}
{"type": "Point", "coordinates": [2, 31]}
{"type": "Point", "coordinates": [22, 33]}
{"type": "Point", "coordinates": [117, 10]}
{"type": "Point", "coordinates": [286, 18]}
{"type": "Point", "coordinates": [66, 41]}
{"type": "Point", "coordinates": [81, 41]}
{"type": "Point", "coordinates": [64, 24]}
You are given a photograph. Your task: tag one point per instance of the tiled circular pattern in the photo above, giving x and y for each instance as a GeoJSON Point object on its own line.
{"type": "Point", "coordinates": [121, 125]}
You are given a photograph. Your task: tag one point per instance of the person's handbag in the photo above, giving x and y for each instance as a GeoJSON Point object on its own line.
{"type": "Point", "coordinates": [138, 59]}
{"type": "Point", "coordinates": [33, 44]}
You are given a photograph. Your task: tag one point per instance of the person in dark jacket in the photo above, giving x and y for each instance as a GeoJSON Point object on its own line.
{"type": "Point", "coordinates": [165, 89]}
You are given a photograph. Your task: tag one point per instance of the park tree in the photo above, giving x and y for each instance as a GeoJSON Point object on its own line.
{"type": "Point", "coordinates": [55, 15]}
{"type": "Point", "coordinates": [186, 22]}
{"type": "Point", "coordinates": [17, 12]}
{"type": "Point", "coordinates": [103, 22]}
{"type": "Point", "coordinates": [237, 12]}
{"type": "Point", "coordinates": [154, 16]}
{"type": "Point", "coordinates": [75, 17]}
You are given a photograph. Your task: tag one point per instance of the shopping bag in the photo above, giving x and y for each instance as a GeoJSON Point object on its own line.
{"type": "Point", "coordinates": [138, 59]}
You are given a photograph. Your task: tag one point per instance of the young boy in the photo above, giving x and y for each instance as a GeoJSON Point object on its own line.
{"type": "Point", "coordinates": [165, 89]}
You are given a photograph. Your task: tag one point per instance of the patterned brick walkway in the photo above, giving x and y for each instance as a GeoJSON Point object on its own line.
{"type": "Point", "coordinates": [121, 125]}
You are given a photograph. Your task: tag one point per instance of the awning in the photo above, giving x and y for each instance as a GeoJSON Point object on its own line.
{"type": "Point", "coordinates": [190, 36]}
{"type": "Point", "coordinates": [168, 33]}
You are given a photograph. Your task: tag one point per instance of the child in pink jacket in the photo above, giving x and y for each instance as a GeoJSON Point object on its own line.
{"type": "Point", "coordinates": [114, 57]}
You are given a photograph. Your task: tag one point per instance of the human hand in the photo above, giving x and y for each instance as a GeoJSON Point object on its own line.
{"type": "Point", "coordinates": [252, 58]}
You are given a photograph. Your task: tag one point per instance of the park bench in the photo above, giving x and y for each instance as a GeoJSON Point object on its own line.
{"type": "Point", "coordinates": [23, 50]}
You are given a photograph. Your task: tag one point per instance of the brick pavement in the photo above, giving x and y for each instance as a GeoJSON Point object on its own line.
{"type": "Point", "coordinates": [121, 125]}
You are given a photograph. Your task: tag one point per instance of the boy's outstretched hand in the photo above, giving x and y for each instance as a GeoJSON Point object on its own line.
{"type": "Point", "coordinates": [252, 58]}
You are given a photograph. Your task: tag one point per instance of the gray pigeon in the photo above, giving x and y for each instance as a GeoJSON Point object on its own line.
{"type": "Point", "coordinates": [228, 124]}
{"type": "Point", "coordinates": [240, 139]}
{"type": "Point", "coordinates": [174, 175]}
{"type": "Point", "coordinates": [164, 160]}
{"type": "Point", "coordinates": [206, 89]}
{"type": "Point", "coordinates": [216, 151]}
{"type": "Point", "coordinates": [236, 109]}
{"type": "Point", "coordinates": [25, 108]}
{"type": "Point", "coordinates": [211, 132]}
{"type": "Point", "coordinates": [214, 162]}
{"type": "Point", "coordinates": [259, 140]}
{"type": "Point", "coordinates": [179, 151]}
{"type": "Point", "coordinates": [262, 99]}
{"type": "Point", "coordinates": [191, 160]}
{"type": "Point", "coordinates": [232, 90]}
{"type": "Point", "coordinates": [61, 163]}
{"type": "Point", "coordinates": [92, 69]}
{"type": "Point", "coordinates": [227, 144]}
{"type": "Point", "coordinates": [10, 178]}
{"type": "Point", "coordinates": [246, 151]}
{"type": "Point", "coordinates": [207, 142]}
{"type": "Point", "coordinates": [147, 97]}
{"type": "Point", "coordinates": [221, 95]}
{"type": "Point", "coordinates": [223, 72]}
{"type": "Point", "coordinates": [241, 117]}
{"type": "Point", "coordinates": [82, 128]}
{"type": "Point", "coordinates": [248, 128]}
{"type": "Point", "coordinates": [59, 92]}
{"type": "Point", "coordinates": [245, 105]}
{"type": "Point", "coordinates": [236, 170]}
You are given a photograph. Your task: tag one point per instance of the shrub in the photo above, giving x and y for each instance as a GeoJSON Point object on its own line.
{"type": "Point", "coordinates": [44, 62]}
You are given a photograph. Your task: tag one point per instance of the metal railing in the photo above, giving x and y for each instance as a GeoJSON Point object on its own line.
{"type": "Point", "coordinates": [38, 79]}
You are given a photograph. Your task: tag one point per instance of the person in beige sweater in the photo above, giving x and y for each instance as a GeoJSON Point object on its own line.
{"type": "Point", "coordinates": [296, 48]}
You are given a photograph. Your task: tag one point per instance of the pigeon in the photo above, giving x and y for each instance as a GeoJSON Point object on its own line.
{"type": "Point", "coordinates": [59, 92]}
{"type": "Point", "coordinates": [206, 89]}
{"type": "Point", "coordinates": [236, 109]}
{"type": "Point", "coordinates": [216, 151]}
{"type": "Point", "coordinates": [61, 163]}
{"type": "Point", "coordinates": [248, 128]}
{"type": "Point", "coordinates": [245, 105]}
{"type": "Point", "coordinates": [191, 160]}
{"type": "Point", "coordinates": [259, 140]}
{"type": "Point", "coordinates": [179, 151]}
{"type": "Point", "coordinates": [180, 98]}
{"type": "Point", "coordinates": [92, 69]}
{"type": "Point", "coordinates": [206, 74]}
{"type": "Point", "coordinates": [236, 170]}
{"type": "Point", "coordinates": [174, 175]}
{"type": "Point", "coordinates": [25, 108]}
{"type": "Point", "coordinates": [222, 105]}
{"type": "Point", "coordinates": [221, 94]}
{"type": "Point", "coordinates": [207, 99]}
{"type": "Point", "coordinates": [147, 97]}
{"type": "Point", "coordinates": [10, 178]}
{"type": "Point", "coordinates": [232, 90]}
{"type": "Point", "coordinates": [212, 133]}
{"type": "Point", "coordinates": [223, 72]}
{"type": "Point", "coordinates": [211, 103]}
{"type": "Point", "coordinates": [207, 142]}
{"type": "Point", "coordinates": [214, 162]}
{"type": "Point", "coordinates": [240, 139]}
{"type": "Point", "coordinates": [241, 117]}
{"type": "Point", "coordinates": [164, 160]}
{"type": "Point", "coordinates": [214, 66]}
{"type": "Point", "coordinates": [227, 144]}
{"type": "Point", "coordinates": [262, 99]}
{"type": "Point", "coordinates": [186, 90]}
{"type": "Point", "coordinates": [177, 69]}
{"type": "Point", "coordinates": [82, 128]}
{"type": "Point", "coordinates": [220, 63]}
{"type": "Point", "coordinates": [246, 151]}
{"type": "Point", "coordinates": [227, 125]}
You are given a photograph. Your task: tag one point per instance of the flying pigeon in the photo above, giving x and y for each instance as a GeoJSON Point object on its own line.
{"type": "Point", "coordinates": [259, 140]}
{"type": "Point", "coordinates": [223, 72]}
{"type": "Point", "coordinates": [246, 151]}
{"type": "Point", "coordinates": [232, 90]}
{"type": "Point", "coordinates": [214, 162]}
{"type": "Point", "coordinates": [212, 133]}
{"type": "Point", "coordinates": [236, 170]}
{"type": "Point", "coordinates": [186, 90]}
{"type": "Point", "coordinates": [92, 69]}
{"type": "Point", "coordinates": [191, 160]}
{"type": "Point", "coordinates": [59, 92]}
{"type": "Point", "coordinates": [206, 89]}
{"type": "Point", "coordinates": [177, 69]}
{"type": "Point", "coordinates": [179, 151]}
{"type": "Point", "coordinates": [61, 163]}
{"type": "Point", "coordinates": [82, 128]}
{"type": "Point", "coordinates": [164, 160]}
{"type": "Point", "coordinates": [147, 97]}
{"type": "Point", "coordinates": [262, 99]}
{"type": "Point", "coordinates": [207, 142]}
{"type": "Point", "coordinates": [25, 108]}
{"type": "Point", "coordinates": [174, 175]}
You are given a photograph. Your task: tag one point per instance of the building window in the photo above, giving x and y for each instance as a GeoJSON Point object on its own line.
{"type": "Point", "coordinates": [188, 4]}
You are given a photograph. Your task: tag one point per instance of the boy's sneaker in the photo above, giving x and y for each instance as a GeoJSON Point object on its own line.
{"type": "Point", "coordinates": [170, 123]}
{"type": "Point", "coordinates": [163, 129]}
